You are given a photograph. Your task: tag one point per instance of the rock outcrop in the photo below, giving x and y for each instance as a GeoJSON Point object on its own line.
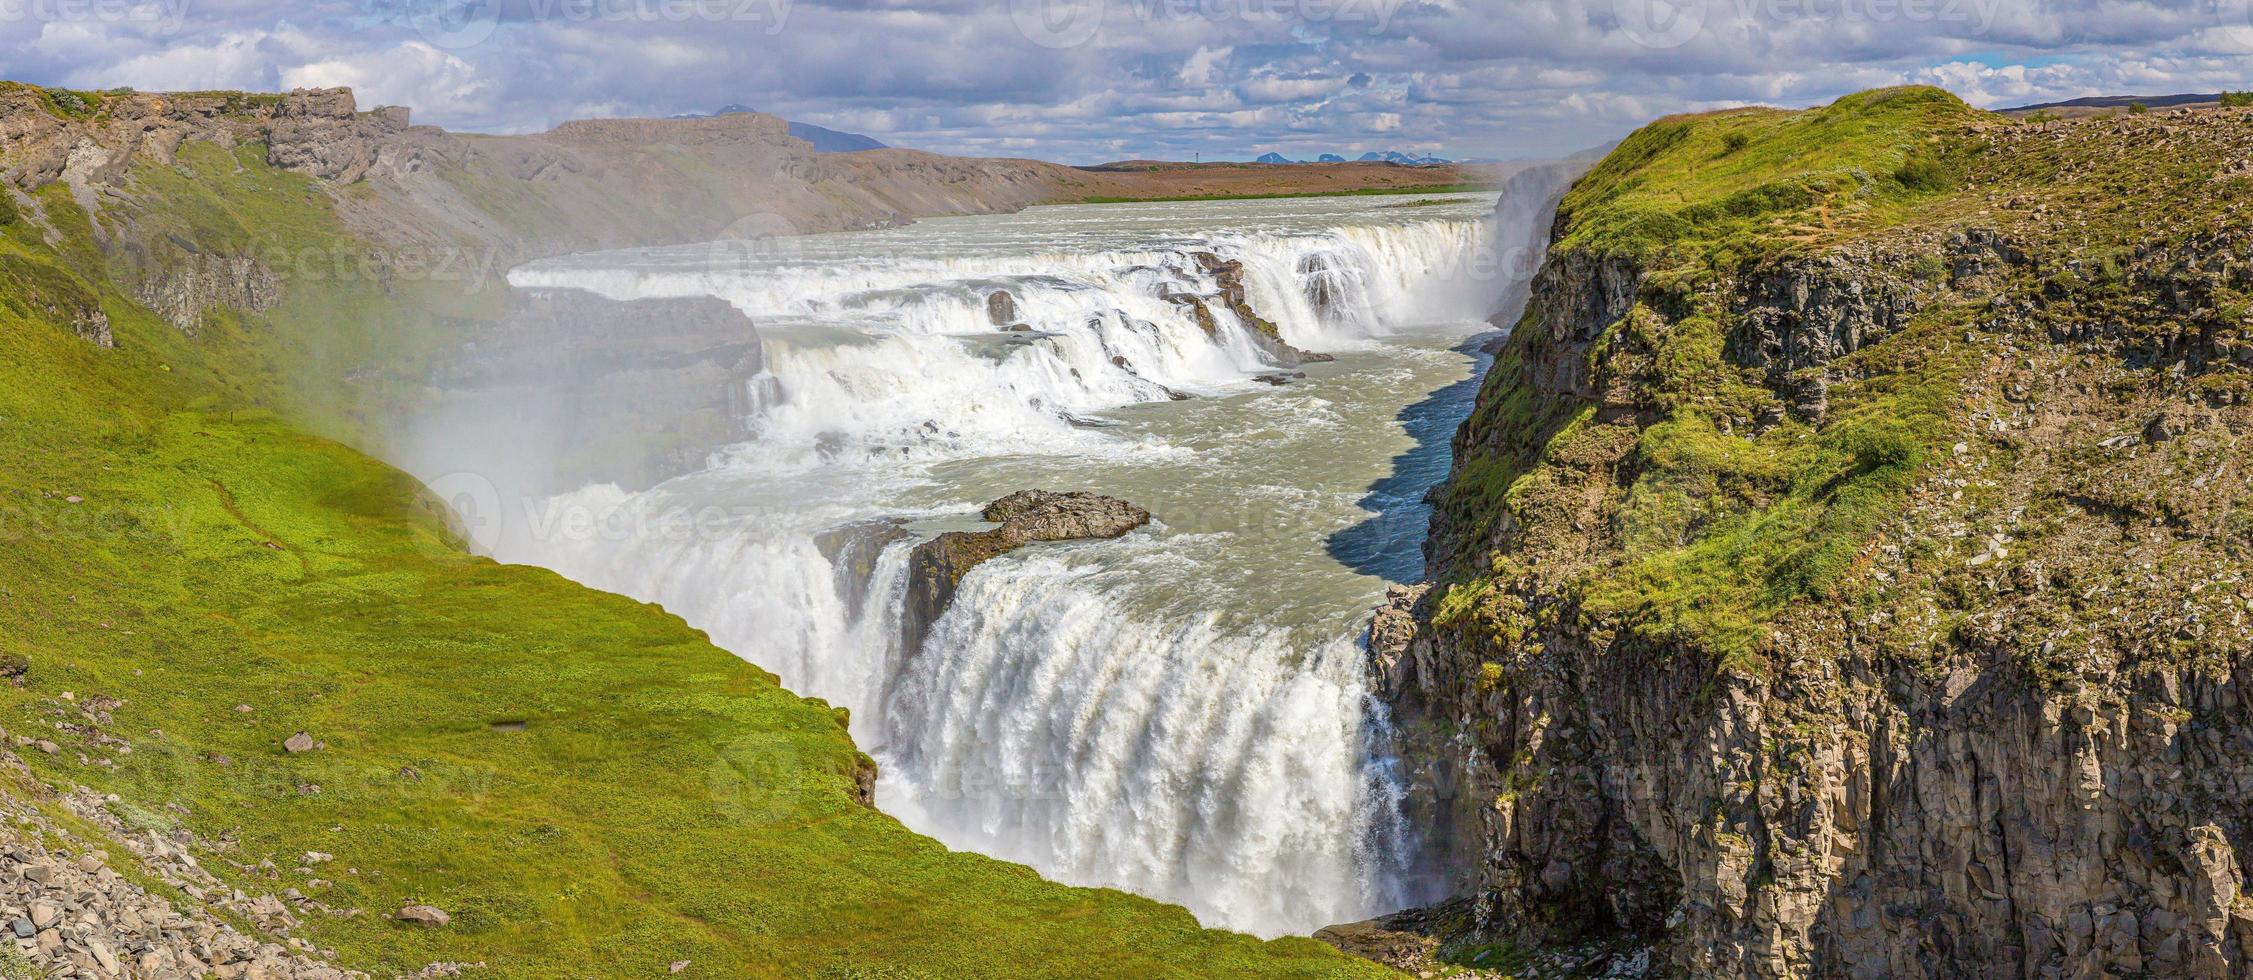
{"type": "Point", "coordinates": [321, 132]}
{"type": "Point", "coordinates": [196, 283]}
{"type": "Point", "coordinates": [1228, 275]}
{"type": "Point", "coordinates": [2004, 733]}
{"type": "Point", "coordinates": [937, 566]}
{"type": "Point", "coordinates": [75, 905]}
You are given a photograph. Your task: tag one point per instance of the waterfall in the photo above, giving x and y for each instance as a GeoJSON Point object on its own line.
{"type": "Point", "coordinates": [1109, 713]}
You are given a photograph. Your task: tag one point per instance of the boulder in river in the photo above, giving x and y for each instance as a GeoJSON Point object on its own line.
{"type": "Point", "coordinates": [1001, 309]}
{"type": "Point", "coordinates": [937, 566]}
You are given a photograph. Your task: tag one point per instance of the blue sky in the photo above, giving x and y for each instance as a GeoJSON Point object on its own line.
{"type": "Point", "coordinates": [1090, 80]}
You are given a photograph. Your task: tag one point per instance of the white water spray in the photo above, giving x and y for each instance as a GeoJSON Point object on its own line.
{"type": "Point", "coordinates": [1180, 712]}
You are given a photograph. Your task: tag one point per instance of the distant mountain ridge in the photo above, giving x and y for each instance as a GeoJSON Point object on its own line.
{"type": "Point", "coordinates": [2121, 102]}
{"type": "Point", "coordinates": [824, 139]}
{"type": "Point", "coordinates": [1373, 156]}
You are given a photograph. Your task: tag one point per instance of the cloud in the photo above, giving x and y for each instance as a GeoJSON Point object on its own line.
{"type": "Point", "coordinates": [413, 74]}
{"type": "Point", "coordinates": [1092, 80]}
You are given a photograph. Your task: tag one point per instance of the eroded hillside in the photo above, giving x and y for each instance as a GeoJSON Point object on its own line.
{"type": "Point", "coordinates": [259, 673]}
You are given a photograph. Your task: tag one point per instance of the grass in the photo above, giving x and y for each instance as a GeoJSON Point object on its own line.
{"type": "Point", "coordinates": [1719, 521]}
{"type": "Point", "coordinates": [662, 799]}
{"type": "Point", "coordinates": [1725, 532]}
{"type": "Point", "coordinates": [1726, 186]}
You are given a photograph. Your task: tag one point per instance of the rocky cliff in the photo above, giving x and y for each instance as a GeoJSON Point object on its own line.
{"type": "Point", "coordinates": [585, 184]}
{"type": "Point", "coordinates": [1845, 571]}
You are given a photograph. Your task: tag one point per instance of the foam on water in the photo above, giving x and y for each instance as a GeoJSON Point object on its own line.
{"type": "Point", "coordinates": [1127, 713]}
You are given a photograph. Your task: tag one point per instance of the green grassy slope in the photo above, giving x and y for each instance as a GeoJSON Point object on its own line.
{"type": "Point", "coordinates": [662, 799]}
{"type": "Point", "coordinates": [1688, 506]}
{"type": "Point", "coordinates": [1721, 522]}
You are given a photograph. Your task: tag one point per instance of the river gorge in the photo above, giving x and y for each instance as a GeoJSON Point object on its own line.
{"type": "Point", "coordinates": [1183, 712]}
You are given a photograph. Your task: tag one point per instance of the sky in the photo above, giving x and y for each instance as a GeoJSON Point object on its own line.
{"type": "Point", "coordinates": [1086, 81]}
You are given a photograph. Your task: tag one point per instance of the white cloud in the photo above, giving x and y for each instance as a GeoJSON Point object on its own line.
{"type": "Point", "coordinates": [1169, 79]}
{"type": "Point", "coordinates": [1202, 69]}
{"type": "Point", "coordinates": [412, 74]}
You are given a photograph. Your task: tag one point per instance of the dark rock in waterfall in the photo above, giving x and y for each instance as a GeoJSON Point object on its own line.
{"type": "Point", "coordinates": [853, 551]}
{"type": "Point", "coordinates": [1324, 284]}
{"type": "Point", "coordinates": [1229, 275]}
{"type": "Point", "coordinates": [1001, 309]}
{"type": "Point", "coordinates": [937, 566]}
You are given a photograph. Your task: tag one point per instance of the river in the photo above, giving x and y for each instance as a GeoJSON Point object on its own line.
{"type": "Point", "coordinates": [1178, 713]}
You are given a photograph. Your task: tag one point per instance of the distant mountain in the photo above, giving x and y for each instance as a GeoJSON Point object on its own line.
{"type": "Point", "coordinates": [824, 139]}
{"type": "Point", "coordinates": [1389, 156]}
{"type": "Point", "coordinates": [1404, 159]}
{"type": "Point", "coordinates": [2119, 102]}
{"type": "Point", "coordinates": [832, 141]}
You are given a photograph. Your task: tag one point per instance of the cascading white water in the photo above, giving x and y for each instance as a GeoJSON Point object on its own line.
{"type": "Point", "coordinates": [1179, 712]}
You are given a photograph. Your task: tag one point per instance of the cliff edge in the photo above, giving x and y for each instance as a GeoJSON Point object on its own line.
{"type": "Point", "coordinates": [1846, 569]}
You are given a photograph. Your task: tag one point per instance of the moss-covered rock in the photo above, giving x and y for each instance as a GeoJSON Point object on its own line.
{"type": "Point", "coordinates": [1845, 547]}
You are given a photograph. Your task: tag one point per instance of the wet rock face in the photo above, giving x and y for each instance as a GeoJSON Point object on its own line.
{"type": "Point", "coordinates": [853, 551]}
{"type": "Point", "coordinates": [1001, 311]}
{"type": "Point", "coordinates": [1228, 274]}
{"type": "Point", "coordinates": [937, 566]}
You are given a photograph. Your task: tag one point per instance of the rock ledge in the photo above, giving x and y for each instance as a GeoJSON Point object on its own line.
{"type": "Point", "coordinates": [937, 566]}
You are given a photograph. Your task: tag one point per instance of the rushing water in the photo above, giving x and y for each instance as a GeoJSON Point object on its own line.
{"type": "Point", "coordinates": [1180, 712]}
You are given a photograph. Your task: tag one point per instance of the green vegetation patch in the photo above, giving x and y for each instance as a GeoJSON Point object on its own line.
{"type": "Point", "coordinates": [1724, 186]}
{"type": "Point", "coordinates": [1718, 509]}
{"type": "Point", "coordinates": [585, 783]}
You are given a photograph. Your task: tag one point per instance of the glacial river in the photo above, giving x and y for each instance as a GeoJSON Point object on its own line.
{"type": "Point", "coordinates": [1180, 712]}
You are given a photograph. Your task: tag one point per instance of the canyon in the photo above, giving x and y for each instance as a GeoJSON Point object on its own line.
{"type": "Point", "coordinates": [1833, 563]}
